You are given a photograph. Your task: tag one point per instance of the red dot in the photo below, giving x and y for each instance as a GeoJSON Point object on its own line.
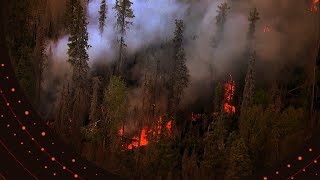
{"type": "Point", "coordinates": [53, 159]}
{"type": "Point", "coordinates": [42, 149]}
{"type": "Point", "coordinates": [76, 176]}
{"type": "Point", "coordinates": [64, 167]}
{"type": "Point", "coordinates": [23, 128]}
{"type": "Point", "coordinates": [2, 65]}
{"type": "Point", "coordinates": [73, 160]}
{"type": "Point", "coordinates": [299, 158]}
{"type": "Point", "coordinates": [315, 161]}
{"type": "Point", "coordinates": [43, 134]}
{"type": "Point", "coordinates": [288, 165]}
{"type": "Point", "coordinates": [310, 149]}
{"type": "Point", "coordinates": [13, 90]}
{"type": "Point", "coordinates": [26, 113]}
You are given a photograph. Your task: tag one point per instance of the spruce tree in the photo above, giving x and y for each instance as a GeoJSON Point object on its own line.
{"type": "Point", "coordinates": [250, 76]}
{"type": "Point", "coordinates": [103, 15]}
{"type": "Point", "coordinates": [78, 44]}
{"type": "Point", "coordinates": [239, 163]}
{"type": "Point", "coordinates": [179, 76]}
{"type": "Point", "coordinates": [114, 109]}
{"type": "Point", "coordinates": [78, 96]}
{"type": "Point", "coordinates": [123, 14]}
{"type": "Point", "coordinates": [248, 91]}
{"type": "Point", "coordinates": [95, 111]}
{"type": "Point", "coordinates": [220, 22]}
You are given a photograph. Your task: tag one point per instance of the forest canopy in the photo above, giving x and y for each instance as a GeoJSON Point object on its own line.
{"type": "Point", "coordinates": [171, 89]}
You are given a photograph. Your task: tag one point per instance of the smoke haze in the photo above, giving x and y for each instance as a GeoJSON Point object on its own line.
{"type": "Point", "coordinates": [288, 22]}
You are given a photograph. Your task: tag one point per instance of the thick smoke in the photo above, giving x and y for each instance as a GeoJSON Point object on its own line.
{"type": "Point", "coordinates": [288, 22]}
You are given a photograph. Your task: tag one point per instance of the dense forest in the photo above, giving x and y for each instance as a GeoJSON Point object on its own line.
{"type": "Point", "coordinates": [171, 89]}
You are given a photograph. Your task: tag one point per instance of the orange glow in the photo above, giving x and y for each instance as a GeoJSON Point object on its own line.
{"type": "Point", "coordinates": [228, 96]}
{"type": "Point", "coordinates": [142, 139]}
{"type": "Point", "coordinates": [267, 29]}
{"type": "Point", "coordinates": [314, 7]}
{"type": "Point", "coordinates": [121, 131]}
{"type": "Point", "coordinates": [195, 117]}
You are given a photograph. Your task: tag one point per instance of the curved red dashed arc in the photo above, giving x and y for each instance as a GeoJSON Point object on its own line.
{"type": "Point", "coordinates": [11, 154]}
{"type": "Point", "coordinates": [50, 156]}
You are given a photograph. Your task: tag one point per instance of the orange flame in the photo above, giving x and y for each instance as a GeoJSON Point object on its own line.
{"type": "Point", "coordinates": [143, 134]}
{"type": "Point", "coordinates": [228, 96]}
{"type": "Point", "coordinates": [314, 7]}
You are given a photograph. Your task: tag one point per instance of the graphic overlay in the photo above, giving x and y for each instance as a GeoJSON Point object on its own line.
{"type": "Point", "coordinates": [29, 149]}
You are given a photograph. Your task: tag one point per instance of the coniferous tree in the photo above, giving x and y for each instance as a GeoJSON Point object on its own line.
{"type": "Point", "coordinates": [78, 96]}
{"type": "Point", "coordinates": [239, 163]}
{"type": "Point", "coordinates": [103, 15]}
{"type": "Point", "coordinates": [179, 76]}
{"type": "Point", "coordinates": [214, 149]}
{"type": "Point", "coordinates": [123, 14]}
{"type": "Point", "coordinates": [250, 76]}
{"type": "Point", "coordinates": [249, 83]}
{"type": "Point", "coordinates": [39, 50]}
{"type": "Point", "coordinates": [114, 109]}
{"type": "Point", "coordinates": [95, 111]}
{"type": "Point", "coordinates": [220, 22]}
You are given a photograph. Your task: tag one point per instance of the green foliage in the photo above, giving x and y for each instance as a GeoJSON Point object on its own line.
{"type": "Point", "coordinates": [215, 146]}
{"type": "Point", "coordinates": [261, 98]}
{"type": "Point", "coordinates": [124, 14]}
{"type": "Point", "coordinates": [239, 163]}
{"type": "Point", "coordinates": [115, 104]}
{"type": "Point", "coordinates": [78, 43]}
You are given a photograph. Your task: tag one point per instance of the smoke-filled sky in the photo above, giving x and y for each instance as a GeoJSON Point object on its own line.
{"type": "Point", "coordinates": [288, 22]}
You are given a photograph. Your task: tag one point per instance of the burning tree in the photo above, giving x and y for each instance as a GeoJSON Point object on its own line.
{"type": "Point", "coordinates": [124, 14]}
{"type": "Point", "coordinates": [228, 96]}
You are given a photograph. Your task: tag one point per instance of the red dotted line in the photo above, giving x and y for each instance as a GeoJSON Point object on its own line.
{"type": "Point", "coordinates": [8, 150]}
{"type": "Point", "coordinates": [304, 168]}
{"type": "Point", "coordinates": [42, 149]}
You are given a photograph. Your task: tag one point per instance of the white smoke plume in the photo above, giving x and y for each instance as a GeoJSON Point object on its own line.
{"type": "Point", "coordinates": [154, 22]}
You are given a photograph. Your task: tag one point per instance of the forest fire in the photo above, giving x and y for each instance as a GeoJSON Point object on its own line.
{"type": "Point", "coordinates": [142, 140]}
{"type": "Point", "coordinates": [228, 96]}
{"type": "Point", "coordinates": [195, 117]}
{"type": "Point", "coordinates": [314, 7]}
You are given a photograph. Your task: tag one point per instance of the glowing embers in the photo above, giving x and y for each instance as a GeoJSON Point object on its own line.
{"type": "Point", "coordinates": [196, 117]}
{"type": "Point", "coordinates": [228, 96]}
{"type": "Point", "coordinates": [266, 29]}
{"type": "Point", "coordinates": [142, 140]}
{"type": "Point", "coordinates": [314, 6]}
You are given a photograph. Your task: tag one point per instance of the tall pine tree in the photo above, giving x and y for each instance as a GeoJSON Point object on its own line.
{"type": "Point", "coordinates": [250, 76]}
{"type": "Point", "coordinates": [103, 15]}
{"type": "Point", "coordinates": [123, 14]}
{"type": "Point", "coordinates": [179, 76]}
{"type": "Point", "coordinates": [78, 97]}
